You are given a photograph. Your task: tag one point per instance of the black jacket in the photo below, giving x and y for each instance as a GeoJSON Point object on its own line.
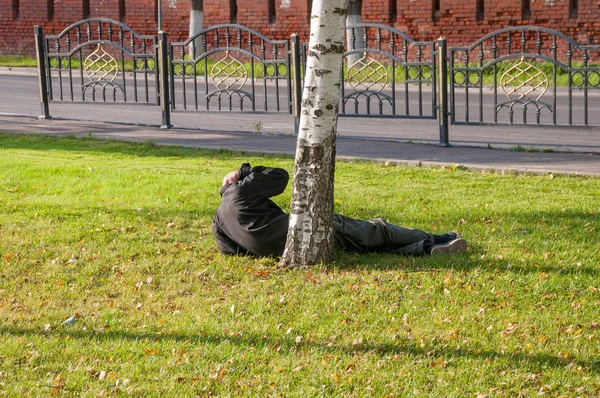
{"type": "Point", "coordinates": [247, 221]}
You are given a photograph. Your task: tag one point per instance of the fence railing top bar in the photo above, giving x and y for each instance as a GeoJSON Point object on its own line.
{"type": "Point", "coordinates": [519, 29]}
{"type": "Point", "coordinates": [149, 53]}
{"type": "Point", "coordinates": [497, 60]}
{"type": "Point", "coordinates": [593, 47]}
{"type": "Point", "coordinates": [389, 29]}
{"type": "Point", "coordinates": [391, 56]}
{"type": "Point", "coordinates": [200, 57]}
{"type": "Point", "coordinates": [459, 48]}
{"type": "Point", "coordinates": [101, 20]}
{"type": "Point", "coordinates": [232, 26]}
{"type": "Point", "coordinates": [423, 43]}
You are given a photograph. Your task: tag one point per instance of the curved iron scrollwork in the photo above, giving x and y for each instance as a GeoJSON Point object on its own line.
{"type": "Point", "coordinates": [525, 103]}
{"type": "Point", "coordinates": [227, 96]}
{"type": "Point", "coordinates": [388, 74]}
{"type": "Point", "coordinates": [524, 79]}
{"type": "Point", "coordinates": [535, 58]}
{"type": "Point", "coordinates": [100, 65]}
{"type": "Point", "coordinates": [253, 70]}
{"type": "Point", "coordinates": [381, 100]}
{"type": "Point", "coordinates": [524, 84]}
{"type": "Point", "coordinates": [228, 72]}
{"type": "Point", "coordinates": [367, 73]}
{"type": "Point", "coordinates": [92, 55]}
{"type": "Point", "coordinates": [101, 69]}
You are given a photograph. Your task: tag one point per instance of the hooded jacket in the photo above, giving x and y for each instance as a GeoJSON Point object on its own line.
{"type": "Point", "coordinates": [247, 221]}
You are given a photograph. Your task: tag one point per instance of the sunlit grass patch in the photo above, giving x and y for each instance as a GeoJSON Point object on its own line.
{"type": "Point", "coordinates": [119, 234]}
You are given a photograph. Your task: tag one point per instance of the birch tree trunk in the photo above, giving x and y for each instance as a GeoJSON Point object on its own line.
{"type": "Point", "coordinates": [355, 40]}
{"type": "Point", "coordinates": [310, 238]}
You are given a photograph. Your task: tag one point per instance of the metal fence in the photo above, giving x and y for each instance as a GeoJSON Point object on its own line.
{"type": "Point", "coordinates": [387, 73]}
{"type": "Point", "coordinates": [510, 76]}
{"type": "Point", "coordinates": [98, 60]}
{"type": "Point", "coordinates": [230, 67]}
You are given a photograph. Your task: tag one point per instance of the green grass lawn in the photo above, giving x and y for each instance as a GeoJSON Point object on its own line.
{"type": "Point", "coordinates": [17, 61]}
{"type": "Point", "coordinates": [119, 234]}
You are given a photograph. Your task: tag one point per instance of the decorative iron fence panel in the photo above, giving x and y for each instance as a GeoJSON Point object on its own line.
{"type": "Point", "coordinates": [101, 61]}
{"type": "Point", "coordinates": [386, 74]}
{"type": "Point", "coordinates": [511, 76]}
{"type": "Point", "coordinates": [230, 67]}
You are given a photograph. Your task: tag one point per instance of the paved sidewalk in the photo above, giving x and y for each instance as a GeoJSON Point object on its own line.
{"type": "Point", "coordinates": [476, 158]}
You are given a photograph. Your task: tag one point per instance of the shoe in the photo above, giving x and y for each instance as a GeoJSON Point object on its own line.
{"type": "Point", "coordinates": [445, 238]}
{"type": "Point", "coordinates": [453, 236]}
{"type": "Point", "coordinates": [454, 246]}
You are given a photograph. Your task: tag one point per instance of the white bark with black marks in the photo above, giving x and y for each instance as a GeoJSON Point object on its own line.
{"type": "Point", "coordinates": [310, 237]}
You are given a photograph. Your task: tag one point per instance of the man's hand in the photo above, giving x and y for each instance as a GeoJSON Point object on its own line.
{"type": "Point", "coordinates": [231, 177]}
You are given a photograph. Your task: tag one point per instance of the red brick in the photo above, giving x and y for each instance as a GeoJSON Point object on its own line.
{"type": "Point", "coordinates": [457, 18]}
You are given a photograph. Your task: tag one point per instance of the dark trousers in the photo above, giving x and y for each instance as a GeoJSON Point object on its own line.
{"type": "Point", "coordinates": [379, 236]}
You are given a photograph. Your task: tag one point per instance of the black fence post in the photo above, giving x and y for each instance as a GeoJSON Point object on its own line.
{"type": "Point", "coordinates": [40, 52]}
{"type": "Point", "coordinates": [165, 101]}
{"type": "Point", "coordinates": [443, 90]}
{"type": "Point", "coordinates": [296, 81]}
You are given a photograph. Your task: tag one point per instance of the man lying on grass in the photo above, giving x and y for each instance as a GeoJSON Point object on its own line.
{"type": "Point", "coordinates": [248, 222]}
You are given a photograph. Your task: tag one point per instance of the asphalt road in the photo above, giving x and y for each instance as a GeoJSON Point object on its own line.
{"type": "Point", "coordinates": [20, 96]}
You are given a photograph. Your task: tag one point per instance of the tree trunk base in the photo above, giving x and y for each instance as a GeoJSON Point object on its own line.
{"type": "Point", "coordinates": [310, 235]}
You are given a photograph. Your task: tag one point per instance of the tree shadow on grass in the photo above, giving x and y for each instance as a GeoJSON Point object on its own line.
{"type": "Point", "coordinates": [287, 344]}
{"type": "Point", "coordinates": [460, 262]}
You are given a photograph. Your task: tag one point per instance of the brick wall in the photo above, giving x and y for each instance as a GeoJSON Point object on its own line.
{"type": "Point", "coordinates": [457, 18]}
